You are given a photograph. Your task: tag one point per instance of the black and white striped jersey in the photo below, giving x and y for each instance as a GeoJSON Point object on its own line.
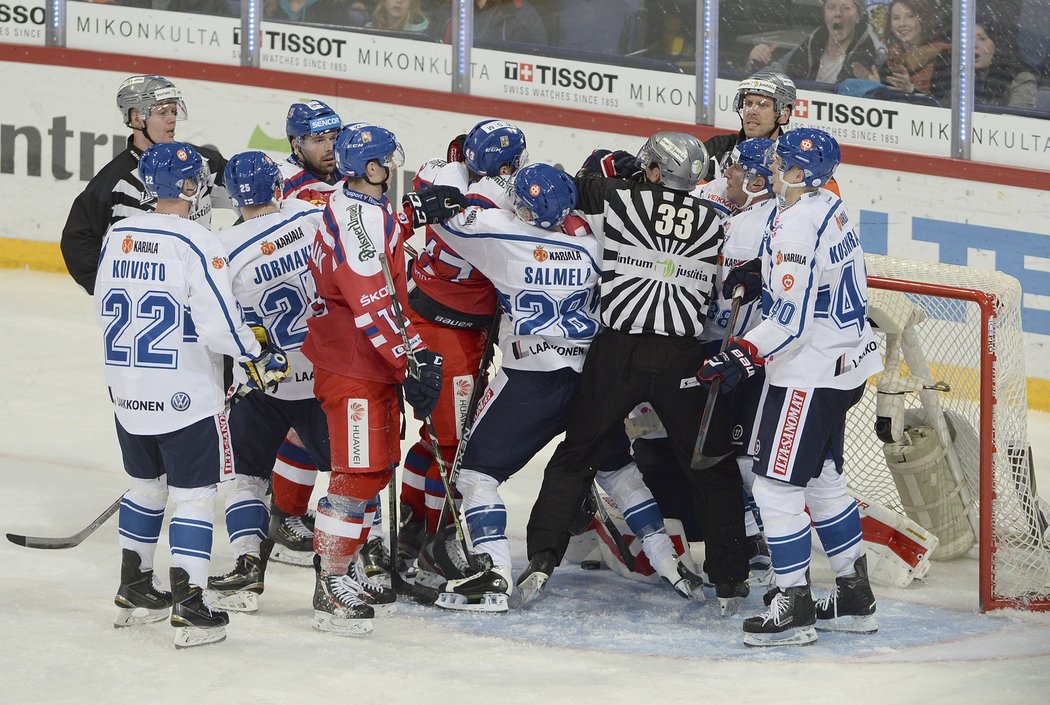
{"type": "Point", "coordinates": [659, 256]}
{"type": "Point", "coordinates": [113, 194]}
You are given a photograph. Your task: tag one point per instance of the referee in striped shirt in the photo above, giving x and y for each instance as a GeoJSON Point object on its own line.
{"type": "Point", "coordinates": [150, 106]}
{"type": "Point", "coordinates": [660, 251]}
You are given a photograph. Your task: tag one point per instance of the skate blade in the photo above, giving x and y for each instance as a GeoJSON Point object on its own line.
{"type": "Point", "coordinates": [330, 624]}
{"type": "Point", "coordinates": [239, 601]}
{"type": "Point", "coordinates": [532, 587]}
{"type": "Point", "coordinates": [490, 602]}
{"type": "Point", "coordinates": [135, 616]}
{"type": "Point", "coordinates": [865, 624]}
{"type": "Point", "coordinates": [729, 606]}
{"type": "Point", "coordinates": [798, 636]}
{"type": "Point", "coordinates": [283, 554]}
{"type": "Point", "coordinates": [188, 637]}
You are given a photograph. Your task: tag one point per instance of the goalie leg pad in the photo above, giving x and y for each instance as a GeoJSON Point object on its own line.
{"type": "Point", "coordinates": [897, 548]}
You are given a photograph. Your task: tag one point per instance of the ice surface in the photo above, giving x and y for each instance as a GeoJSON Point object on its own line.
{"type": "Point", "coordinates": [594, 637]}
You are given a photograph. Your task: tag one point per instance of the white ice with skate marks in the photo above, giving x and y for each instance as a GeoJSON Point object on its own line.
{"type": "Point", "coordinates": [592, 637]}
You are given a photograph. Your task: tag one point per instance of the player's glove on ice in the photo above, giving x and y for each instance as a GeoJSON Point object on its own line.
{"type": "Point", "coordinates": [747, 275]}
{"type": "Point", "coordinates": [433, 204]}
{"type": "Point", "coordinates": [739, 361]}
{"type": "Point", "coordinates": [269, 367]}
{"type": "Point", "coordinates": [423, 390]}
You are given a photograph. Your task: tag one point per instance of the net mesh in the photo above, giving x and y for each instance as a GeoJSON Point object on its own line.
{"type": "Point", "coordinates": [950, 340]}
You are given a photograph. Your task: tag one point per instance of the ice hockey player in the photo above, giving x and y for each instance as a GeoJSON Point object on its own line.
{"type": "Point", "coordinates": [354, 343]}
{"type": "Point", "coordinates": [149, 105]}
{"type": "Point", "coordinates": [165, 304]}
{"type": "Point", "coordinates": [451, 306]}
{"type": "Point", "coordinates": [659, 255]}
{"type": "Point", "coordinates": [309, 174]}
{"type": "Point", "coordinates": [765, 103]}
{"type": "Point", "coordinates": [269, 256]}
{"type": "Point", "coordinates": [818, 350]}
{"type": "Point", "coordinates": [554, 269]}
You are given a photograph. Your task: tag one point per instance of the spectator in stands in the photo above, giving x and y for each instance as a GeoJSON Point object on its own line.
{"type": "Point", "coordinates": [507, 21]}
{"type": "Point", "coordinates": [916, 60]}
{"type": "Point", "coordinates": [1000, 77]}
{"type": "Point", "coordinates": [404, 15]}
{"type": "Point", "coordinates": [828, 54]}
{"type": "Point", "coordinates": [333, 12]}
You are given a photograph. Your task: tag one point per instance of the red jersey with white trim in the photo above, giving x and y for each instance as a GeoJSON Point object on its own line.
{"type": "Point", "coordinates": [449, 290]}
{"type": "Point", "coordinates": [354, 331]}
{"type": "Point", "coordinates": [300, 182]}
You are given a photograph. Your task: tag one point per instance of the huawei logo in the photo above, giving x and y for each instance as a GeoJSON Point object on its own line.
{"type": "Point", "coordinates": [357, 411]}
{"type": "Point", "coordinates": [463, 386]}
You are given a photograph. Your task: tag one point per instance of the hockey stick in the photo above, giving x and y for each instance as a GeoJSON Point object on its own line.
{"type": "Point", "coordinates": [78, 538]}
{"type": "Point", "coordinates": [417, 593]}
{"type": "Point", "coordinates": [413, 371]}
{"type": "Point", "coordinates": [610, 526]}
{"type": "Point", "coordinates": [701, 461]}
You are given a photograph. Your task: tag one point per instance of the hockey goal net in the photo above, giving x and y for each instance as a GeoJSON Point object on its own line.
{"type": "Point", "coordinates": [952, 404]}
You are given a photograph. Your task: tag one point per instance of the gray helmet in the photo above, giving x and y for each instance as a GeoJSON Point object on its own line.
{"type": "Point", "coordinates": [143, 92]}
{"type": "Point", "coordinates": [768, 83]}
{"type": "Point", "coordinates": [682, 159]}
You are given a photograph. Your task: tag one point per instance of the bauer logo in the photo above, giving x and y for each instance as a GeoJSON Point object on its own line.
{"type": "Point", "coordinates": [357, 433]}
{"type": "Point", "coordinates": [180, 401]}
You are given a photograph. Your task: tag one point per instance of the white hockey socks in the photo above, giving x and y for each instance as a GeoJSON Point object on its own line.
{"type": "Point", "coordinates": [141, 516]}
{"type": "Point", "coordinates": [783, 508]}
{"type": "Point", "coordinates": [836, 519]}
{"type": "Point", "coordinates": [190, 531]}
{"type": "Point", "coordinates": [485, 514]}
{"type": "Point", "coordinates": [247, 516]}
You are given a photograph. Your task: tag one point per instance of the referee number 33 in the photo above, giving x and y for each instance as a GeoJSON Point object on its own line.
{"type": "Point", "coordinates": [674, 220]}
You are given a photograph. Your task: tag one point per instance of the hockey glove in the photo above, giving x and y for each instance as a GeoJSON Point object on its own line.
{"type": "Point", "coordinates": [433, 204]}
{"type": "Point", "coordinates": [739, 361]}
{"type": "Point", "coordinates": [618, 164]}
{"type": "Point", "coordinates": [747, 275]}
{"type": "Point", "coordinates": [423, 390]}
{"type": "Point", "coordinates": [455, 149]}
{"type": "Point", "coordinates": [269, 367]}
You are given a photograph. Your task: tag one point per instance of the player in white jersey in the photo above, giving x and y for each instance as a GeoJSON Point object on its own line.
{"type": "Point", "coordinates": [164, 301]}
{"type": "Point", "coordinates": [309, 174]}
{"type": "Point", "coordinates": [268, 256]}
{"type": "Point", "coordinates": [818, 350]}
{"type": "Point", "coordinates": [544, 264]}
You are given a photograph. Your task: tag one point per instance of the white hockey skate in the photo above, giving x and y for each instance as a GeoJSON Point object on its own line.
{"type": "Point", "coordinates": [487, 591]}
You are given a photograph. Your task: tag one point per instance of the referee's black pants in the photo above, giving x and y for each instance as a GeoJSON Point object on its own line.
{"type": "Point", "coordinates": [620, 372]}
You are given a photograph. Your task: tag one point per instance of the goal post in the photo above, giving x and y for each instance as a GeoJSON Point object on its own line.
{"type": "Point", "coordinates": [955, 458]}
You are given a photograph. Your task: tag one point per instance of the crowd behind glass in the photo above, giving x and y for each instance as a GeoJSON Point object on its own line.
{"type": "Point", "coordinates": [887, 49]}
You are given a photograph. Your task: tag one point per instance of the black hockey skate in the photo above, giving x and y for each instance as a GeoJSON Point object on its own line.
{"type": "Point", "coordinates": [730, 595]}
{"type": "Point", "coordinates": [382, 599]}
{"type": "Point", "coordinates": [375, 555]}
{"type": "Point", "coordinates": [338, 607]}
{"type": "Point", "coordinates": [788, 621]}
{"type": "Point", "coordinates": [411, 535]}
{"type": "Point", "coordinates": [485, 591]}
{"type": "Point", "coordinates": [239, 590]}
{"type": "Point", "coordinates": [138, 592]}
{"type": "Point", "coordinates": [760, 564]}
{"type": "Point", "coordinates": [195, 622]}
{"type": "Point", "coordinates": [679, 576]}
{"type": "Point", "coordinates": [851, 605]}
{"type": "Point", "coordinates": [532, 581]}
{"type": "Point", "coordinates": [293, 539]}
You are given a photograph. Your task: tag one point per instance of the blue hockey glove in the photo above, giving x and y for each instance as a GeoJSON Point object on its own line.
{"type": "Point", "coordinates": [423, 390]}
{"type": "Point", "coordinates": [433, 204]}
{"type": "Point", "coordinates": [739, 361]}
{"type": "Point", "coordinates": [270, 367]}
{"type": "Point", "coordinates": [747, 275]}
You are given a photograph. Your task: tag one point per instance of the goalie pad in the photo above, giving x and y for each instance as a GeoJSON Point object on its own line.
{"type": "Point", "coordinates": [643, 569]}
{"type": "Point", "coordinates": [897, 548]}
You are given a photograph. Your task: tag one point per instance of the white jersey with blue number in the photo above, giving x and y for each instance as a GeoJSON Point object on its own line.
{"type": "Point", "coordinates": [815, 330]}
{"type": "Point", "coordinates": [269, 268]}
{"type": "Point", "coordinates": [547, 284]}
{"type": "Point", "coordinates": [163, 298]}
{"type": "Point", "coordinates": [744, 232]}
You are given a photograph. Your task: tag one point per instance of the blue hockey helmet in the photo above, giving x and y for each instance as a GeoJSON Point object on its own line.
{"type": "Point", "coordinates": [492, 143]}
{"type": "Point", "coordinates": [543, 195]}
{"type": "Point", "coordinates": [252, 179]}
{"type": "Point", "coordinates": [311, 118]}
{"type": "Point", "coordinates": [814, 151]}
{"type": "Point", "coordinates": [361, 143]}
{"type": "Point", "coordinates": [754, 156]}
{"type": "Point", "coordinates": [170, 169]}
